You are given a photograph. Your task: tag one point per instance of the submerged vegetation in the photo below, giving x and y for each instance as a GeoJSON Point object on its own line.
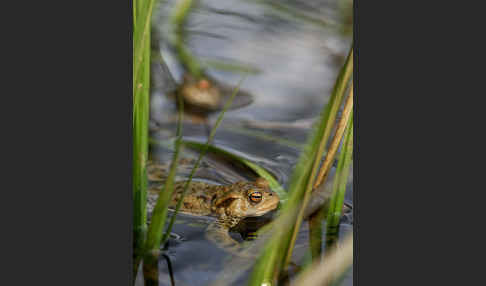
{"type": "Point", "coordinates": [331, 138]}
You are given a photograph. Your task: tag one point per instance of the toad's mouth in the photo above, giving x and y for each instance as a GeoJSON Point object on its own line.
{"type": "Point", "coordinates": [268, 207]}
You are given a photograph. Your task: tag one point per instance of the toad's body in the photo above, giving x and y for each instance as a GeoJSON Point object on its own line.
{"type": "Point", "coordinates": [205, 95]}
{"type": "Point", "coordinates": [230, 204]}
{"type": "Point", "coordinates": [239, 200]}
{"type": "Point", "coordinates": [200, 94]}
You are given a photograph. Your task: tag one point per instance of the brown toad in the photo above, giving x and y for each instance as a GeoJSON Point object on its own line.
{"type": "Point", "coordinates": [229, 204]}
{"type": "Point", "coordinates": [200, 95]}
{"type": "Point", "coordinates": [204, 95]}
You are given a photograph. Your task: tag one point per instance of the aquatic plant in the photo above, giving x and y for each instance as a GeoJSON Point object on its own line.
{"type": "Point", "coordinates": [278, 250]}
{"type": "Point", "coordinates": [185, 56]}
{"type": "Point", "coordinates": [324, 272]}
{"type": "Point", "coordinates": [142, 14]}
{"type": "Point", "coordinates": [339, 186]}
{"type": "Point", "coordinates": [204, 149]}
{"type": "Point", "coordinates": [147, 242]}
{"type": "Point", "coordinates": [307, 176]}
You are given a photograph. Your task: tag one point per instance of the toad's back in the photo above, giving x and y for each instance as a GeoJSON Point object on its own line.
{"type": "Point", "coordinates": [198, 198]}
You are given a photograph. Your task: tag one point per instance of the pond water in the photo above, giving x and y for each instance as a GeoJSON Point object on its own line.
{"type": "Point", "coordinates": [297, 49]}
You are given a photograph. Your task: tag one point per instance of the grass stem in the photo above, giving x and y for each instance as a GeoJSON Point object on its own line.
{"type": "Point", "coordinates": [323, 273]}
{"type": "Point", "coordinates": [326, 165]}
{"type": "Point", "coordinates": [201, 155]}
{"type": "Point", "coordinates": [339, 186]}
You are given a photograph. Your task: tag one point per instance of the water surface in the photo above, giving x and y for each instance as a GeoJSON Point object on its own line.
{"type": "Point", "coordinates": [297, 58]}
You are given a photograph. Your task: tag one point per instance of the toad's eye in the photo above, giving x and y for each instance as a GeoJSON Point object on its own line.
{"type": "Point", "coordinates": [255, 197]}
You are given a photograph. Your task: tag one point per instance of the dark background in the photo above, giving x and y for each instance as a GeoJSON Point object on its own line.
{"type": "Point", "coordinates": [67, 143]}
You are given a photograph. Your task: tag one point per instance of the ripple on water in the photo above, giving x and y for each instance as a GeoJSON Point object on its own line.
{"type": "Point", "coordinates": [293, 85]}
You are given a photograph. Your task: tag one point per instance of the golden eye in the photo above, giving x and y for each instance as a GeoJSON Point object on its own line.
{"type": "Point", "coordinates": [256, 197]}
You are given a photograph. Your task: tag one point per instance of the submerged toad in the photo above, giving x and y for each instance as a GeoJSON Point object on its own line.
{"type": "Point", "coordinates": [205, 95]}
{"type": "Point", "coordinates": [230, 204]}
{"type": "Point", "coordinates": [200, 94]}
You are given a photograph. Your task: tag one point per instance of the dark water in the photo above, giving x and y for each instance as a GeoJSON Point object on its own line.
{"type": "Point", "coordinates": [298, 57]}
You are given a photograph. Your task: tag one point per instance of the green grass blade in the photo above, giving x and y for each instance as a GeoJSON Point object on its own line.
{"type": "Point", "coordinates": [141, 40]}
{"type": "Point", "coordinates": [159, 214]}
{"type": "Point", "coordinates": [329, 270]}
{"type": "Point", "coordinates": [339, 187]}
{"type": "Point", "coordinates": [201, 155]}
{"type": "Point", "coordinates": [274, 185]}
{"type": "Point", "coordinates": [142, 12]}
{"type": "Point", "coordinates": [321, 140]}
{"type": "Point", "coordinates": [140, 155]}
{"type": "Point", "coordinates": [315, 234]}
{"type": "Point", "coordinates": [315, 220]}
{"type": "Point", "coordinates": [269, 265]}
{"type": "Point", "coordinates": [336, 140]}
{"type": "Point", "coordinates": [178, 20]}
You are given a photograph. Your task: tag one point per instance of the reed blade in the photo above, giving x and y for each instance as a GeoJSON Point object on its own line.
{"type": "Point", "coordinates": [201, 155]}
{"type": "Point", "coordinates": [339, 187]}
{"type": "Point", "coordinates": [142, 15]}
{"type": "Point", "coordinates": [279, 251]}
{"type": "Point", "coordinates": [140, 148]}
{"type": "Point", "coordinates": [274, 185]}
{"type": "Point", "coordinates": [159, 214]}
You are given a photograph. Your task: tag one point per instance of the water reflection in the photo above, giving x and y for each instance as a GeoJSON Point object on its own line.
{"type": "Point", "coordinates": [294, 50]}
